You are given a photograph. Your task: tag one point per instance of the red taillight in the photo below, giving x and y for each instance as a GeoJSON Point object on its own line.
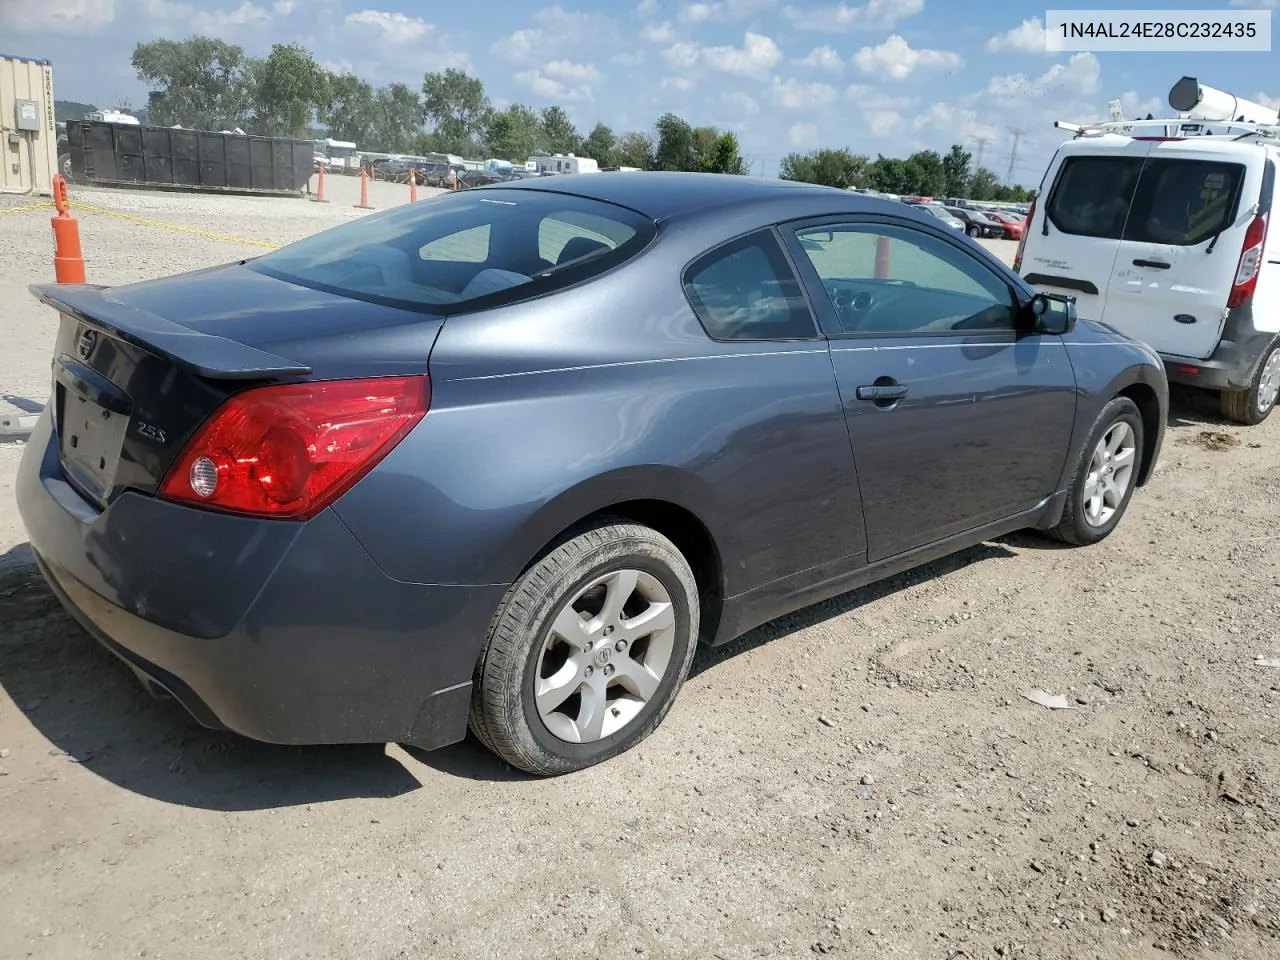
{"type": "Point", "coordinates": [288, 451]}
{"type": "Point", "coordinates": [1022, 237]}
{"type": "Point", "coordinates": [1250, 262]}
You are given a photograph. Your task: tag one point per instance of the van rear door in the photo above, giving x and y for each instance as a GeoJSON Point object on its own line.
{"type": "Point", "coordinates": [1075, 234]}
{"type": "Point", "coordinates": [1178, 254]}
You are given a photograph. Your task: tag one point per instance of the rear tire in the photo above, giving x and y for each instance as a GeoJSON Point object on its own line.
{"type": "Point", "coordinates": [1102, 485]}
{"type": "Point", "coordinates": [1253, 405]}
{"type": "Point", "coordinates": [587, 650]}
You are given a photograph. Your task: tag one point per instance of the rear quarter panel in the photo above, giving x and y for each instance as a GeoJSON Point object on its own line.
{"type": "Point", "coordinates": [549, 411]}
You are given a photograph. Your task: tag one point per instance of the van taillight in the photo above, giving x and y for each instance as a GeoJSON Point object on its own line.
{"type": "Point", "coordinates": [1250, 262]}
{"type": "Point", "coordinates": [1026, 229]}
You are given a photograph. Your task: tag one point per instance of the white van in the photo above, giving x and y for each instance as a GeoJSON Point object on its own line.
{"type": "Point", "coordinates": [1159, 229]}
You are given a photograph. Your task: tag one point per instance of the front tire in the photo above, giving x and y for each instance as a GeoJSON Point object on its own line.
{"type": "Point", "coordinates": [1105, 475]}
{"type": "Point", "coordinates": [1253, 405]}
{"type": "Point", "coordinates": [587, 651]}
{"type": "Point", "coordinates": [975, 232]}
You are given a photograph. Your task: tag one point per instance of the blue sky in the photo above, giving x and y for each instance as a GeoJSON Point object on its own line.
{"type": "Point", "coordinates": [885, 76]}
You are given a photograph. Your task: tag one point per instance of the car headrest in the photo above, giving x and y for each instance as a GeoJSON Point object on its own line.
{"type": "Point", "coordinates": [580, 247]}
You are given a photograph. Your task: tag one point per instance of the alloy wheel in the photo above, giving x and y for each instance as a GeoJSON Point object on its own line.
{"type": "Point", "coordinates": [1110, 473]}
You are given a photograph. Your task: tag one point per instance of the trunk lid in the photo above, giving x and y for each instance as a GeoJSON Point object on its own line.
{"type": "Point", "coordinates": [137, 369]}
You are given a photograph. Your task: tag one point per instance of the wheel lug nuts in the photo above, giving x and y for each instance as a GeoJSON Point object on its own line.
{"type": "Point", "coordinates": [589, 671]}
{"type": "Point", "coordinates": [620, 645]}
{"type": "Point", "coordinates": [608, 671]}
{"type": "Point", "coordinates": [608, 631]}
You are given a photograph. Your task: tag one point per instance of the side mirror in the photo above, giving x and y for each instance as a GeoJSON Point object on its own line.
{"type": "Point", "coordinates": [1054, 313]}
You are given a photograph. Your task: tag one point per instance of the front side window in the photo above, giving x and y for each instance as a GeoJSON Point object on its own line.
{"type": "Point", "coordinates": [478, 247]}
{"type": "Point", "coordinates": [746, 290]}
{"type": "Point", "coordinates": [1092, 195]}
{"type": "Point", "coordinates": [891, 280]}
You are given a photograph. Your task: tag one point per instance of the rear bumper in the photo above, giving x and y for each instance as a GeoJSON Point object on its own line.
{"type": "Point", "coordinates": [1232, 365]}
{"type": "Point", "coordinates": [285, 633]}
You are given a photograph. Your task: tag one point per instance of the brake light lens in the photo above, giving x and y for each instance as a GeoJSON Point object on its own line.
{"type": "Point", "coordinates": [1246, 282]}
{"type": "Point", "coordinates": [288, 451]}
{"type": "Point", "coordinates": [1022, 239]}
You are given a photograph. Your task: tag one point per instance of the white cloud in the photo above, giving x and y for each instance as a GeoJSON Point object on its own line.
{"type": "Point", "coordinates": [646, 8]}
{"type": "Point", "coordinates": [682, 84]}
{"type": "Point", "coordinates": [558, 31]}
{"type": "Point", "coordinates": [803, 135]}
{"type": "Point", "coordinates": [56, 16]}
{"type": "Point", "coordinates": [883, 122]}
{"type": "Point", "coordinates": [897, 60]}
{"type": "Point", "coordinates": [568, 70]}
{"type": "Point", "coordinates": [742, 101]}
{"type": "Point", "coordinates": [697, 12]}
{"type": "Point", "coordinates": [956, 123]}
{"type": "Point", "coordinates": [212, 22]}
{"type": "Point", "coordinates": [1079, 76]}
{"type": "Point", "coordinates": [821, 58]}
{"type": "Point", "coordinates": [873, 98]}
{"type": "Point", "coordinates": [874, 15]}
{"type": "Point", "coordinates": [394, 27]}
{"type": "Point", "coordinates": [1262, 98]}
{"type": "Point", "coordinates": [549, 88]}
{"type": "Point", "coordinates": [658, 32]}
{"type": "Point", "coordinates": [627, 59]}
{"type": "Point", "coordinates": [1133, 105]}
{"type": "Point", "coordinates": [793, 95]}
{"type": "Point", "coordinates": [1027, 37]}
{"type": "Point", "coordinates": [283, 7]}
{"type": "Point", "coordinates": [756, 57]}
{"type": "Point", "coordinates": [701, 12]}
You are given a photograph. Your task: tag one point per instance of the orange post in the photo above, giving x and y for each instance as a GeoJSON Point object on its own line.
{"type": "Point", "coordinates": [882, 258]}
{"type": "Point", "coordinates": [319, 197]}
{"type": "Point", "coordinates": [413, 187]}
{"type": "Point", "coordinates": [68, 260]}
{"type": "Point", "coordinates": [364, 191]}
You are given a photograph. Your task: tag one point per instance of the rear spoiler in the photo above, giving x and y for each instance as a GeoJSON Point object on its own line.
{"type": "Point", "coordinates": [204, 354]}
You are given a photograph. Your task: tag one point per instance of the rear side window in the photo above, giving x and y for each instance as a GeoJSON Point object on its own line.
{"type": "Point", "coordinates": [1092, 195]}
{"type": "Point", "coordinates": [1183, 202]}
{"type": "Point", "coordinates": [746, 290]}
{"type": "Point", "coordinates": [467, 250]}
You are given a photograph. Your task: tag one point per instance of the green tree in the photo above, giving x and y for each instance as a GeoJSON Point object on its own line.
{"type": "Point", "coordinates": [955, 171]}
{"type": "Point", "coordinates": [456, 103]}
{"type": "Point", "coordinates": [512, 134]}
{"type": "Point", "coordinates": [892, 175]}
{"type": "Point", "coordinates": [927, 174]}
{"type": "Point", "coordinates": [676, 147]}
{"type": "Point", "coordinates": [397, 118]}
{"type": "Point", "coordinates": [558, 132]}
{"type": "Point", "coordinates": [635, 149]}
{"type": "Point", "coordinates": [832, 168]}
{"type": "Point", "coordinates": [983, 185]}
{"type": "Point", "coordinates": [724, 156]}
{"type": "Point", "coordinates": [352, 113]}
{"type": "Point", "coordinates": [291, 89]}
{"type": "Point", "coordinates": [601, 146]}
{"type": "Point", "coordinates": [200, 83]}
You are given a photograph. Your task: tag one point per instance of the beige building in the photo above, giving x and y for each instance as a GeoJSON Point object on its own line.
{"type": "Point", "coordinates": [28, 136]}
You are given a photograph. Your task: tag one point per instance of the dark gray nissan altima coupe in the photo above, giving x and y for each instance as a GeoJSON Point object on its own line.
{"type": "Point", "coordinates": [501, 459]}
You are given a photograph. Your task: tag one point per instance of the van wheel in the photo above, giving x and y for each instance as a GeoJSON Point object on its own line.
{"type": "Point", "coordinates": [1253, 405]}
{"type": "Point", "coordinates": [1105, 476]}
{"type": "Point", "coordinates": [587, 651]}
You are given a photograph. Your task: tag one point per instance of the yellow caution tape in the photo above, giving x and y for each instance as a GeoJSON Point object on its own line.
{"type": "Point", "coordinates": [160, 224]}
{"type": "Point", "coordinates": [27, 208]}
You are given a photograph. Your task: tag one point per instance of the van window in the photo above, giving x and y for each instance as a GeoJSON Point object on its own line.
{"type": "Point", "coordinates": [1092, 195]}
{"type": "Point", "coordinates": [1183, 202]}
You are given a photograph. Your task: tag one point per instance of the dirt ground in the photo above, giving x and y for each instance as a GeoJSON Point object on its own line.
{"type": "Point", "coordinates": [862, 779]}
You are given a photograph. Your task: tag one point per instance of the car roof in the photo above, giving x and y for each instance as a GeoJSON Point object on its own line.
{"type": "Point", "coordinates": [663, 195]}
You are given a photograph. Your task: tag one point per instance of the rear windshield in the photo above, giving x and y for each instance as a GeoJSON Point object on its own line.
{"type": "Point", "coordinates": [473, 249]}
{"type": "Point", "coordinates": [1092, 195]}
{"type": "Point", "coordinates": [1183, 202]}
{"type": "Point", "coordinates": [1164, 200]}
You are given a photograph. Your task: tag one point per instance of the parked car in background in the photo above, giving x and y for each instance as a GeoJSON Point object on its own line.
{"type": "Point", "coordinates": [1012, 225]}
{"type": "Point", "coordinates": [1163, 233]}
{"type": "Point", "coordinates": [939, 211]}
{"type": "Point", "coordinates": [435, 466]}
{"type": "Point", "coordinates": [976, 223]}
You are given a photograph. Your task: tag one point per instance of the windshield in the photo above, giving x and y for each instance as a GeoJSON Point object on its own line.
{"type": "Point", "coordinates": [468, 250]}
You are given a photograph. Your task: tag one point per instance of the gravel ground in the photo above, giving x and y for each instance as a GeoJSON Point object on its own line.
{"type": "Point", "coordinates": [861, 779]}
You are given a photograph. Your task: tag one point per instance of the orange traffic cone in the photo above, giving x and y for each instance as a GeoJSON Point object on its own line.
{"type": "Point", "coordinates": [319, 197]}
{"type": "Point", "coordinates": [68, 260]}
{"type": "Point", "coordinates": [413, 187]}
{"type": "Point", "coordinates": [364, 191]}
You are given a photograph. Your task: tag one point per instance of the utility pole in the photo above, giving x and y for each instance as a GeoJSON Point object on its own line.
{"type": "Point", "coordinates": [1017, 133]}
{"type": "Point", "coordinates": [982, 147]}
